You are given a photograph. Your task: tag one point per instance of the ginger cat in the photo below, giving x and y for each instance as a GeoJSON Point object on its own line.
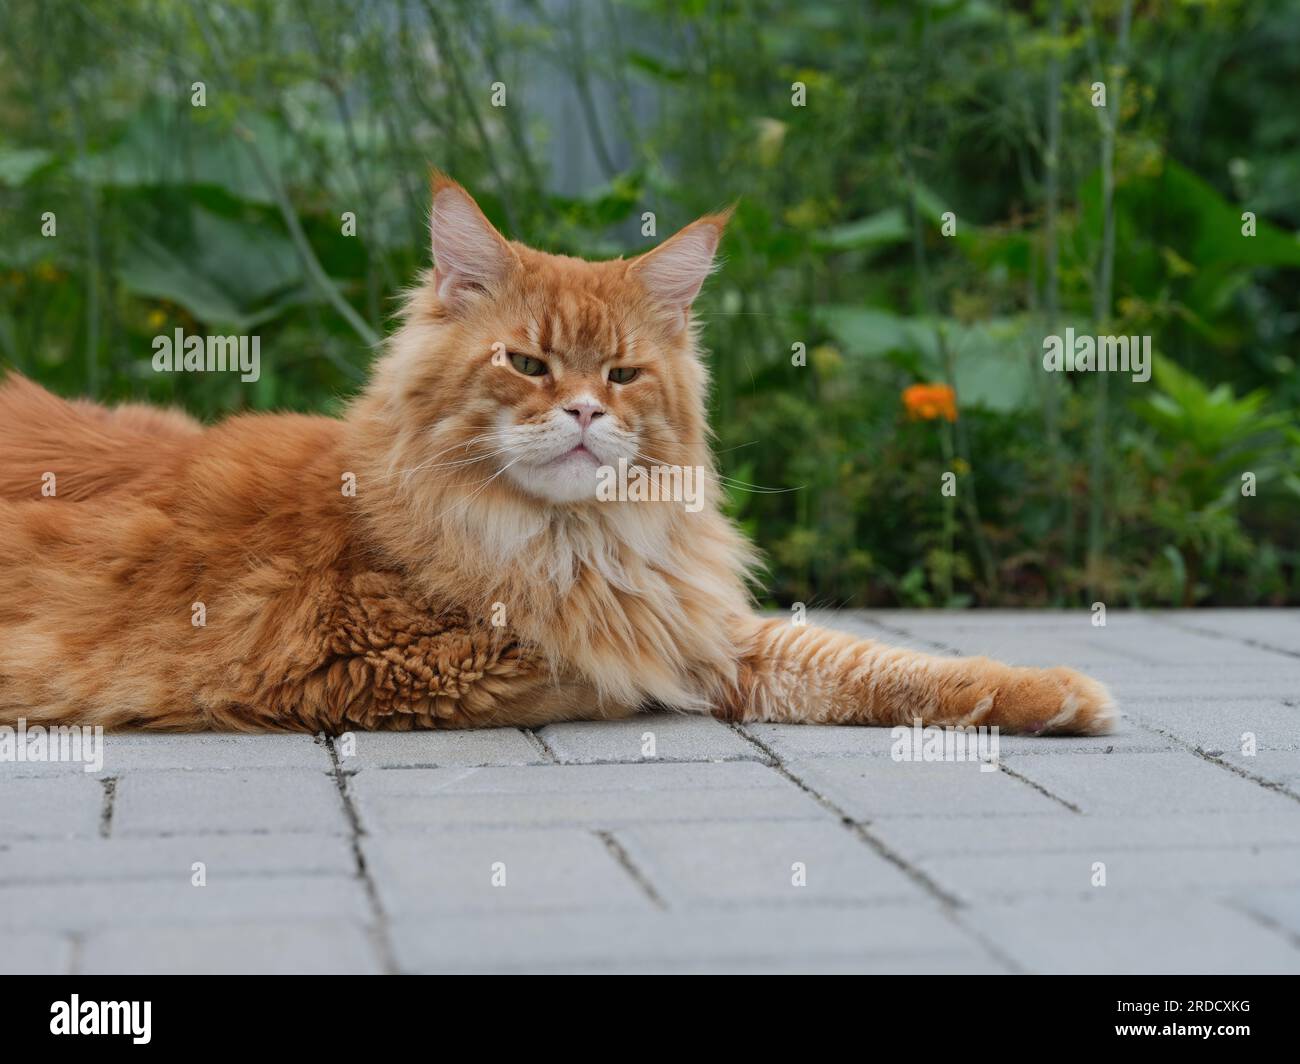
{"type": "Point", "coordinates": [472, 577]}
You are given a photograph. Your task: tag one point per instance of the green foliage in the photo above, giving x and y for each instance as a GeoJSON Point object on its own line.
{"type": "Point", "coordinates": [1208, 437]}
{"type": "Point", "coordinates": [901, 226]}
{"type": "Point", "coordinates": [1210, 452]}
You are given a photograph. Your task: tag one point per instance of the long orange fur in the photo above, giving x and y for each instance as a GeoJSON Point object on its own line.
{"type": "Point", "coordinates": [440, 593]}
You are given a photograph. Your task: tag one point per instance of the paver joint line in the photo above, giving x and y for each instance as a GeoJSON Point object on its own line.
{"type": "Point", "coordinates": [1236, 770]}
{"type": "Point", "coordinates": [951, 906]}
{"type": "Point", "coordinates": [858, 829]}
{"type": "Point", "coordinates": [542, 745]}
{"type": "Point", "coordinates": [625, 861]}
{"type": "Point", "coordinates": [1243, 640]}
{"type": "Point", "coordinates": [109, 784]}
{"type": "Point", "coordinates": [1004, 767]}
{"type": "Point", "coordinates": [379, 932]}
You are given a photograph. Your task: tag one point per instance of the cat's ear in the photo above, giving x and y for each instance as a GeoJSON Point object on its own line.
{"type": "Point", "coordinates": [674, 272]}
{"type": "Point", "coordinates": [469, 255]}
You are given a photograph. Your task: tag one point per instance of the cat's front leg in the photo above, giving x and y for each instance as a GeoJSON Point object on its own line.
{"type": "Point", "coordinates": [802, 674]}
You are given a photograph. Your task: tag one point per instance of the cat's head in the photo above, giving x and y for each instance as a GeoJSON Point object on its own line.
{"type": "Point", "coordinates": [523, 370]}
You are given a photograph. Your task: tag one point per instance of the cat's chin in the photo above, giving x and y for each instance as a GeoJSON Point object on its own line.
{"type": "Point", "coordinates": [571, 478]}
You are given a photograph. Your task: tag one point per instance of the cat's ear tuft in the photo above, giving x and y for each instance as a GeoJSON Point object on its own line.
{"type": "Point", "coordinates": [675, 271]}
{"type": "Point", "coordinates": [469, 255]}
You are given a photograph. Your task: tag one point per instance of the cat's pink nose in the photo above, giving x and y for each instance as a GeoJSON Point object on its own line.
{"type": "Point", "coordinates": [585, 412]}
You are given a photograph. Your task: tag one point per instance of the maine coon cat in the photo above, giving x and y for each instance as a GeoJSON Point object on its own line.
{"type": "Point", "coordinates": [438, 556]}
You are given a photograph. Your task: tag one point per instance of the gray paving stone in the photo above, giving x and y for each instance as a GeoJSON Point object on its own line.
{"type": "Point", "coordinates": [796, 741]}
{"type": "Point", "coordinates": [1042, 649]}
{"type": "Point", "coordinates": [1130, 873]}
{"type": "Point", "coordinates": [223, 856]}
{"type": "Point", "coordinates": [132, 752]}
{"type": "Point", "coordinates": [595, 796]}
{"type": "Point", "coordinates": [1122, 935]}
{"type": "Point", "coordinates": [791, 741]}
{"type": "Point", "coordinates": [1010, 837]}
{"type": "Point", "coordinates": [1148, 784]}
{"type": "Point", "coordinates": [1070, 641]}
{"type": "Point", "coordinates": [867, 788]}
{"type": "Point", "coordinates": [1220, 725]}
{"type": "Point", "coordinates": [1063, 619]}
{"type": "Point", "coordinates": [151, 903]}
{"type": "Point", "coordinates": [135, 752]}
{"type": "Point", "coordinates": [499, 871]}
{"type": "Point", "coordinates": [34, 953]}
{"type": "Point", "coordinates": [67, 806]}
{"type": "Point", "coordinates": [1273, 628]}
{"type": "Point", "coordinates": [1137, 658]}
{"type": "Point", "coordinates": [267, 948]}
{"type": "Point", "coordinates": [1128, 738]}
{"type": "Point", "coordinates": [1277, 766]}
{"type": "Point", "coordinates": [1213, 681]}
{"type": "Point", "coordinates": [17, 770]}
{"type": "Point", "coordinates": [1051, 637]}
{"type": "Point", "coordinates": [672, 737]}
{"type": "Point", "coordinates": [742, 863]}
{"type": "Point", "coordinates": [202, 802]}
{"type": "Point", "coordinates": [884, 936]}
{"type": "Point", "coordinates": [971, 963]}
{"type": "Point", "coordinates": [1276, 906]}
{"type": "Point", "coordinates": [1137, 655]}
{"type": "Point", "coordinates": [437, 749]}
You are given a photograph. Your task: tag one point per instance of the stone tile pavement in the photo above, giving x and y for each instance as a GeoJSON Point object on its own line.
{"type": "Point", "coordinates": [669, 843]}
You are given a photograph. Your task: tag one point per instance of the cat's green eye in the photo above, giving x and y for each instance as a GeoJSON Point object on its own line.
{"type": "Point", "coordinates": [528, 366]}
{"type": "Point", "coordinates": [623, 374]}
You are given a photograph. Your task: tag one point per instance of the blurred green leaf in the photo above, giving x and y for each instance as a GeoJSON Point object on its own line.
{"type": "Point", "coordinates": [884, 228]}
{"type": "Point", "coordinates": [17, 165]}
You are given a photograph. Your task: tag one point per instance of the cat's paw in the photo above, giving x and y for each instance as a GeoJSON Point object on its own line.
{"type": "Point", "coordinates": [1027, 701]}
{"type": "Point", "coordinates": [1069, 703]}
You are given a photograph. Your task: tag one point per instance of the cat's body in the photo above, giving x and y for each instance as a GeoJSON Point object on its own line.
{"type": "Point", "coordinates": [437, 558]}
{"type": "Point", "coordinates": [243, 527]}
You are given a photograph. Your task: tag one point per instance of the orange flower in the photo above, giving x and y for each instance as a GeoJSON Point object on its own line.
{"type": "Point", "coordinates": [926, 402]}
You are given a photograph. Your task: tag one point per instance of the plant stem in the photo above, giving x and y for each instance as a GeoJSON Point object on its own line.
{"type": "Point", "coordinates": [315, 271]}
{"type": "Point", "coordinates": [1101, 307]}
{"type": "Point", "coordinates": [1051, 279]}
{"type": "Point", "coordinates": [90, 205]}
